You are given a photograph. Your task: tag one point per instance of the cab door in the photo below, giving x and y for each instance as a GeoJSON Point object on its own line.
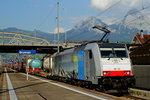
{"type": "Point", "coordinates": [89, 65]}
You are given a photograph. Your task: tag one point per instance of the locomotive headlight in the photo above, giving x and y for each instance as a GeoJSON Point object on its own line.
{"type": "Point", "coordinates": [105, 72]}
{"type": "Point", "coordinates": [127, 72]}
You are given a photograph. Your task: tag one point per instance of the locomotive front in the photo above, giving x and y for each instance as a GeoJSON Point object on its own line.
{"type": "Point", "coordinates": [116, 69]}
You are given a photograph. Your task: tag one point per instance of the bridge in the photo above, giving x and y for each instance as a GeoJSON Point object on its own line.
{"type": "Point", "coordinates": [13, 42]}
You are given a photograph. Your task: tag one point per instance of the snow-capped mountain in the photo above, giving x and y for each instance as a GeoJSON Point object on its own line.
{"type": "Point", "coordinates": [124, 30]}
{"type": "Point", "coordinates": [34, 33]}
{"type": "Point", "coordinates": [83, 31]}
{"type": "Point", "coordinates": [135, 19]}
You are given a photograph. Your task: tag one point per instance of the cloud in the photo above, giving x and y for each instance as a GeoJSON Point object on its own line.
{"type": "Point", "coordinates": [108, 21]}
{"type": "Point", "coordinates": [100, 4]}
{"type": "Point", "coordinates": [120, 9]}
{"type": "Point", "coordinates": [104, 4]}
{"type": "Point", "coordinates": [60, 30]}
{"type": "Point", "coordinates": [77, 19]}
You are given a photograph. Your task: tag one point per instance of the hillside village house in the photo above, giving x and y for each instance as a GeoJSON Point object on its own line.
{"type": "Point", "coordinates": [141, 38]}
{"type": "Point", "coordinates": [140, 54]}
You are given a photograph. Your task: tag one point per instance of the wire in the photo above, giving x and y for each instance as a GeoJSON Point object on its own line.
{"type": "Point", "coordinates": [132, 13]}
{"type": "Point", "coordinates": [136, 19]}
{"type": "Point", "coordinates": [142, 5]}
{"type": "Point", "coordinates": [102, 12]}
{"type": "Point", "coordinates": [44, 20]}
{"type": "Point", "coordinates": [109, 8]}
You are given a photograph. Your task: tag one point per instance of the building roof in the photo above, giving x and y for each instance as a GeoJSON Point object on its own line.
{"type": "Point", "coordinates": [141, 39]}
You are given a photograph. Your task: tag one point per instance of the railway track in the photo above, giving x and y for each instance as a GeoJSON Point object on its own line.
{"type": "Point", "coordinates": [129, 97]}
{"type": "Point", "coordinates": [143, 94]}
{"type": "Point", "coordinates": [132, 94]}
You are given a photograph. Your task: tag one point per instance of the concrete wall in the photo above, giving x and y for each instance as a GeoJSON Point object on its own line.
{"type": "Point", "coordinates": [142, 76]}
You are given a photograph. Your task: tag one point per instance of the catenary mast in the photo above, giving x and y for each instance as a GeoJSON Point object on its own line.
{"type": "Point", "coordinates": [57, 18]}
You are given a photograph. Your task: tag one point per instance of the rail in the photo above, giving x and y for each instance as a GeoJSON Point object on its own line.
{"type": "Point", "coordinates": [139, 93]}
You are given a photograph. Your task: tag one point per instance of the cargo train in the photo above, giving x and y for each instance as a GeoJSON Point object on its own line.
{"type": "Point", "coordinates": [30, 65]}
{"type": "Point", "coordinates": [103, 66]}
{"type": "Point", "coordinates": [34, 66]}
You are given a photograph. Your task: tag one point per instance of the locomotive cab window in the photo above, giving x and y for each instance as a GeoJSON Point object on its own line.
{"type": "Point", "coordinates": [113, 53]}
{"type": "Point", "coordinates": [120, 52]}
{"type": "Point", "coordinates": [106, 52]}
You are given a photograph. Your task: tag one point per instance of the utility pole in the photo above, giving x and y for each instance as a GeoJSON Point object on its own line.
{"type": "Point", "coordinates": [65, 38]}
{"type": "Point", "coordinates": [35, 36]}
{"type": "Point", "coordinates": [57, 18]}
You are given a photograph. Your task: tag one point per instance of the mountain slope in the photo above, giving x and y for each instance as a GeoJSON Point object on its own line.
{"type": "Point", "coordinates": [83, 31]}
{"type": "Point", "coordinates": [35, 33]}
{"type": "Point", "coordinates": [124, 30]}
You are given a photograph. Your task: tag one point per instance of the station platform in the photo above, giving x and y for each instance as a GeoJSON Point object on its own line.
{"type": "Point", "coordinates": [17, 87]}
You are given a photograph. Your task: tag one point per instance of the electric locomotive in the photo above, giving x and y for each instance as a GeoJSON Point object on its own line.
{"type": "Point", "coordinates": [100, 65]}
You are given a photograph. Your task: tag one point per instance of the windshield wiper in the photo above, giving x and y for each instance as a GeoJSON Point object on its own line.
{"type": "Point", "coordinates": [108, 58]}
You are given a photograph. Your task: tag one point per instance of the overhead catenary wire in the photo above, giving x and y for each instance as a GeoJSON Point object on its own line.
{"type": "Point", "coordinates": [46, 17]}
{"type": "Point", "coordinates": [140, 10]}
{"type": "Point", "coordinates": [118, 19]}
{"type": "Point", "coordinates": [142, 4]}
{"type": "Point", "coordinates": [108, 8]}
{"type": "Point", "coordinates": [43, 21]}
{"type": "Point", "coordinates": [138, 17]}
{"type": "Point", "coordinates": [135, 20]}
{"type": "Point", "coordinates": [143, 8]}
{"type": "Point", "coordinates": [98, 15]}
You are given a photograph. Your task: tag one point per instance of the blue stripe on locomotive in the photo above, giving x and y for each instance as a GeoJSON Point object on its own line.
{"type": "Point", "coordinates": [81, 65]}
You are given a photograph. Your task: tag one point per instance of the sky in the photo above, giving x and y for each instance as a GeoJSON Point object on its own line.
{"type": "Point", "coordinates": [41, 14]}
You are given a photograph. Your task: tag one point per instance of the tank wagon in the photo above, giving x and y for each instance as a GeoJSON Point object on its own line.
{"type": "Point", "coordinates": [103, 66]}
{"type": "Point", "coordinates": [35, 65]}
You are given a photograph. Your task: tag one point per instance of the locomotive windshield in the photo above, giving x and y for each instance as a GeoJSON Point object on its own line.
{"type": "Point", "coordinates": [106, 52]}
{"type": "Point", "coordinates": [113, 53]}
{"type": "Point", "coordinates": [120, 52]}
